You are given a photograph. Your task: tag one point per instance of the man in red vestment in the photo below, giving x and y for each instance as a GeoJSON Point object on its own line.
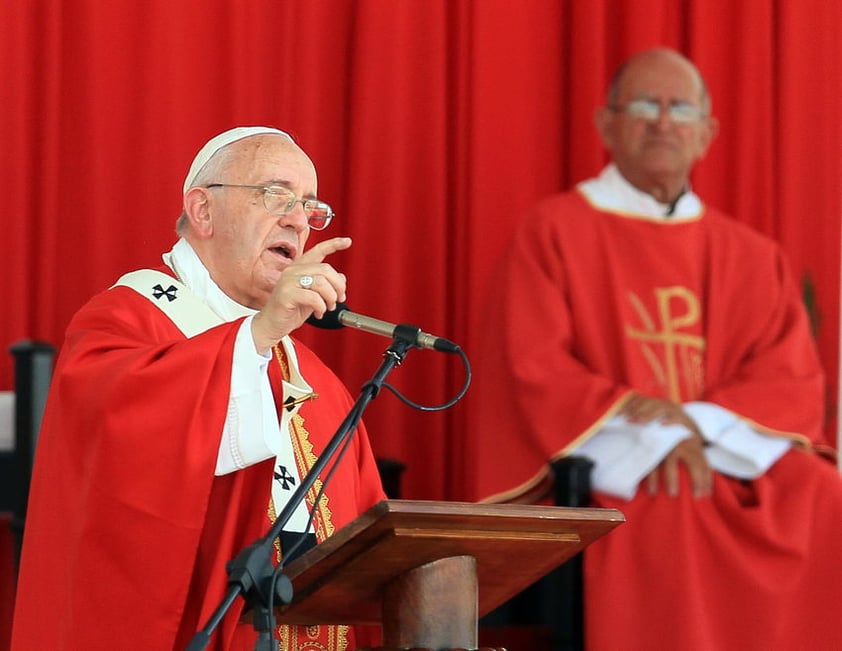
{"type": "Point", "coordinates": [182, 415]}
{"type": "Point", "coordinates": [667, 343]}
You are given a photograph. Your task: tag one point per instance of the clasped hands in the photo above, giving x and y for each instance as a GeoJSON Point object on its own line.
{"type": "Point", "coordinates": [689, 451]}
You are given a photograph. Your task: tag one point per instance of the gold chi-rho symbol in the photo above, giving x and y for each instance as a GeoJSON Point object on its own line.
{"type": "Point", "coordinates": [674, 354]}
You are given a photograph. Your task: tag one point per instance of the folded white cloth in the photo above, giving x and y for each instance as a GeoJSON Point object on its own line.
{"type": "Point", "coordinates": [624, 453]}
{"type": "Point", "coordinates": [735, 448]}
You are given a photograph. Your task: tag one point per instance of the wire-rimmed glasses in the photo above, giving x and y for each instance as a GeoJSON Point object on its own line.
{"type": "Point", "coordinates": [650, 110]}
{"type": "Point", "coordinates": [279, 200]}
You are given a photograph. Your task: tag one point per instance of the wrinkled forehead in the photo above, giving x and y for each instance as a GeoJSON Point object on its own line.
{"type": "Point", "coordinates": [268, 159]}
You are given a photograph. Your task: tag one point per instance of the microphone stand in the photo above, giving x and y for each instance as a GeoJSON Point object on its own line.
{"type": "Point", "coordinates": [250, 572]}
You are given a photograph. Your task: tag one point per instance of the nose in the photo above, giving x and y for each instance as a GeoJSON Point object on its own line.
{"type": "Point", "coordinates": [664, 120]}
{"type": "Point", "coordinates": [295, 218]}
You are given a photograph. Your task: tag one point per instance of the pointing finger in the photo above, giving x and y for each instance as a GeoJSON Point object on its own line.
{"type": "Point", "coordinates": [318, 252]}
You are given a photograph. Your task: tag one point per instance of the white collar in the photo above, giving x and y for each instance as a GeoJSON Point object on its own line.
{"type": "Point", "coordinates": [188, 268]}
{"type": "Point", "coordinates": [610, 191]}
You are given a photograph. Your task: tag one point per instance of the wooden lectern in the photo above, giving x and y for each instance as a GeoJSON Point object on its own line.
{"type": "Point", "coordinates": [426, 571]}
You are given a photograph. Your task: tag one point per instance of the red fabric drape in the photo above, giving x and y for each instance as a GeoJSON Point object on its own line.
{"type": "Point", "coordinates": [433, 124]}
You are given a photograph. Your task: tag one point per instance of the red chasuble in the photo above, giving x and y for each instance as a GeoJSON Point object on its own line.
{"type": "Point", "coordinates": [594, 304]}
{"type": "Point", "coordinates": [128, 529]}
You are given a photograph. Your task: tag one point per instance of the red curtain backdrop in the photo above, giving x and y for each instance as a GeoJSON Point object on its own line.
{"type": "Point", "coordinates": [433, 124]}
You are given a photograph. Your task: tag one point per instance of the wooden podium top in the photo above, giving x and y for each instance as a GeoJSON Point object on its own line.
{"type": "Point", "coordinates": [341, 580]}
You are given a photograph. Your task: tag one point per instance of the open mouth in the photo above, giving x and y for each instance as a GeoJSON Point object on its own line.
{"type": "Point", "coordinates": [283, 250]}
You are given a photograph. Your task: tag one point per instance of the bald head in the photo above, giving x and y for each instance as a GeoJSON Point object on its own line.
{"type": "Point", "coordinates": [646, 59]}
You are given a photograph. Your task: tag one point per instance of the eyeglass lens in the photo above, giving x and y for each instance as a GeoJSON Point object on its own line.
{"type": "Point", "coordinates": [650, 110]}
{"type": "Point", "coordinates": [280, 200]}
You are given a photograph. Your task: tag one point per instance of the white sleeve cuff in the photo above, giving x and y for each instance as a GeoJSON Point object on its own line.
{"type": "Point", "coordinates": [624, 453]}
{"type": "Point", "coordinates": [251, 431]}
{"type": "Point", "coordinates": [711, 419]}
{"type": "Point", "coordinates": [735, 448]}
{"type": "Point", "coordinates": [744, 453]}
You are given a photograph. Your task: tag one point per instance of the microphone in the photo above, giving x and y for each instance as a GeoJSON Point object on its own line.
{"type": "Point", "coordinates": [343, 317]}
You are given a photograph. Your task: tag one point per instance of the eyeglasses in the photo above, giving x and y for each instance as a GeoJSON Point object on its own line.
{"type": "Point", "coordinates": [279, 200]}
{"type": "Point", "coordinates": [650, 110]}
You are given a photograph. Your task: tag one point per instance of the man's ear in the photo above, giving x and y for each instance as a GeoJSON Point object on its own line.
{"type": "Point", "coordinates": [710, 129]}
{"type": "Point", "coordinates": [603, 118]}
{"type": "Point", "coordinates": [197, 209]}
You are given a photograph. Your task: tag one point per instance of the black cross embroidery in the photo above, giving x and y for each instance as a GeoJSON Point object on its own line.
{"type": "Point", "coordinates": [169, 292]}
{"type": "Point", "coordinates": [284, 477]}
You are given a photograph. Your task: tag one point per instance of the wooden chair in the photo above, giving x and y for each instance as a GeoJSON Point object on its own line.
{"type": "Point", "coordinates": [549, 615]}
{"type": "Point", "coordinates": [33, 372]}
{"type": "Point", "coordinates": [391, 473]}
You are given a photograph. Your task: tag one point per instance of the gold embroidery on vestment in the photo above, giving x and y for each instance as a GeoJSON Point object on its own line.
{"type": "Point", "coordinates": [675, 356]}
{"type": "Point", "coordinates": [292, 637]}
